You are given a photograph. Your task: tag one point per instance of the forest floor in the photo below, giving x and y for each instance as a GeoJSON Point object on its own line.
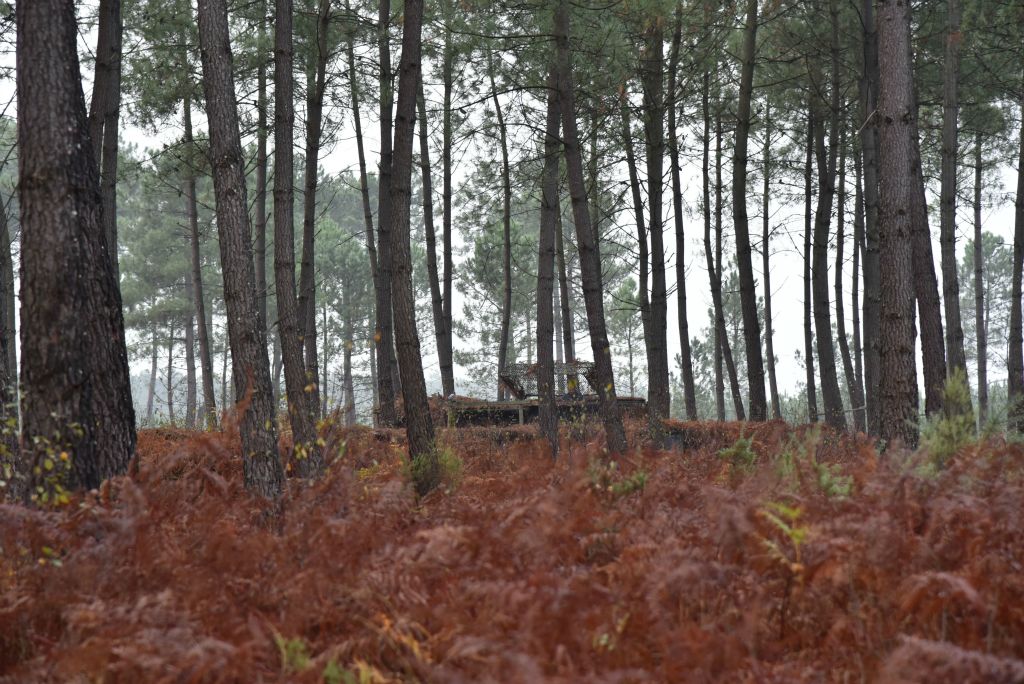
{"type": "Point", "coordinates": [754, 554]}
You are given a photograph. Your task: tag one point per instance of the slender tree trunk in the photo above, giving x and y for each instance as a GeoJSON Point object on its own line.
{"type": "Point", "coordinates": [979, 289]}
{"type": "Point", "coordinates": [316, 84]}
{"type": "Point", "coordinates": [955, 353]}
{"type": "Point", "coordinates": [872, 278]}
{"type": "Point", "coordinates": [8, 364]}
{"type": "Point", "coordinates": [436, 297]}
{"type": "Point", "coordinates": [565, 297]}
{"type": "Point", "coordinates": [104, 113]}
{"type": "Point", "coordinates": [418, 426]}
{"type": "Point", "coordinates": [548, 411]}
{"type": "Point", "coordinates": [712, 271]}
{"type": "Point", "coordinates": [260, 247]}
{"type": "Point", "coordinates": [154, 363]}
{"type": "Point", "coordinates": [74, 364]}
{"type": "Point", "coordinates": [590, 260]}
{"type": "Point", "coordinates": [723, 333]}
{"type": "Point", "coordinates": [170, 373]}
{"type": "Point", "coordinates": [652, 69]}
{"type": "Point", "coordinates": [898, 178]}
{"type": "Point", "coordinates": [685, 353]}
{"type": "Point", "coordinates": [812, 390]}
{"type": "Point", "coordinates": [444, 351]}
{"type": "Point", "coordinates": [261, 467]}
{"type": "Point", "coordinates": [748, 293]}
{"type": "Point", "coordinates": [308, 459]}
{"type": "Point", "coordinates": [199, 299]}
{"type": "Point", "coordinates": [844, 345]}
{"type": "Point", "coordinates": [349, 399]}
{"type": "Point", "coordinates": [769, 334]}
{"type": "Point", "coordinates": [190, 362]}
{"type": "Point", "coordinates": [643, 259]}
{"type": "Point", "coordinates": [506, 228]}
{"type": "Point", "coordinates": [929, 305]}
{"type": "Point", "coordinates": [383, 337]}
{"type": "Point", "coordinates": [859, 412]}
{"type": "Point", "coordinates": [1015, 353]}
{"type": "Point", "coordinates": [830, 396]}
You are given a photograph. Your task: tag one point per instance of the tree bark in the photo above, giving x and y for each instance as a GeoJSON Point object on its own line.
{"type": "Point", "coordinates": [154, 362]}
{"type": "Point", "coordinates": [979, 289]}
{"type": "Point", "coordinates": [812, 389]}
{"type": "Point", "coordinates": [643, 253]}
{"type": "Point", "coordinates": [506, 232]}
{"type": "Point", "coordinates": [74, 359]}
{"type": "Point", "coordinates": [418, 426]}
{"type": "Point", "coordinates": [169, 386]}
{"type": "Point", "coordinates": [104, 113]}
{"type": "Point", "coordinates": [261, 466]}
{"type": "Point", "coordinates": [872, 277]}
{"type": "Point", "coordinates": [316, 85]}
{"type": "Point", "coordinates": [383, 337]}
{"type": "Point", "coordinates": [929, 306]}
{"type": "Point", "coordinates": [590, 260]}
{"type": "Point", "coordinates": [548, 411]}
{"type": "Point", "coordinates": [955, 352]}
{"type": "Point", "coordinates": [712, 271]}
{"type": "Point", "coordinates": [199, 299]}
{"type": "Point", "coordinates": [565, 303]}
{"type": "Point", "coordinates": [748, 294]}
{"type": "Point", "coordinates": [308, 459]}
{"type": "Point", "coordinates": [898, 177]}
{"type": "Point", "coordinates": [444, 351]}
{"type": "Point", "coordinates": [190, 360]}
{"type": "Point", "coordinates": [769, 334]}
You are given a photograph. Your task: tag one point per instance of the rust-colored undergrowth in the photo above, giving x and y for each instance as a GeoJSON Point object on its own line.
{"type": "Point", "coordinates": [798, 555]}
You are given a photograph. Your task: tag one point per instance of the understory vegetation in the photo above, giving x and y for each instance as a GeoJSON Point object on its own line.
{"type": "Point", "coordinates": [741, 553]}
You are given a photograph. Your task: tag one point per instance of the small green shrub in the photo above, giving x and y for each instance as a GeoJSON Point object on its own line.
{"type": "Point", "coordinates": [741, 454]}
{"type": "Point", "coordinates": [798, 462]}
{"type": "Point", "coordinates": [953, 429]}
{"type": "Point", "coordinates": [294, 654]}
{"type": "Point", "coordinates": [440, 466]}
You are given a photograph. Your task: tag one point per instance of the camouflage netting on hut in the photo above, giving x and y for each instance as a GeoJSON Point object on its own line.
{"type": "Point", "coordinates": [521, 378]}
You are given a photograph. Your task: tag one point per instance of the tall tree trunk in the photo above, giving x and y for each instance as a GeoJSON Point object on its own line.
{"type": "Point", "coordinates": [199, 299]}
{"type": "Point", "coordinates": [8, 363]}
{"type": "Point", "coordinates": [748, 293]}
{"type": "Point", "coordinates": [685, 353]}
{"type": "Point", "coordinates": [418, 426]}
{"type": "Point", "coordinates": [929, 305]}
{"type": "Point", "coordinates": [347, 384]}
{"type": "Point", "coordinates": [830, 394]}
{"type": "Point", "coordinates": [444, 351]}
{"type": "Point", "coordinates": [104, 113]}
{"type": "Point", "coordinates": [260, 247]}
{"type": "Point", "coordinates": [872, 278]}
{"type": "Point", "coordinates": [154, 362]}
{"type": "Point", "coordinates": [812, 389]}
{"type": "Point", "coordinates": [643, 258]}
{"type": "Point", "coordinates": [1015, 353]}
{"type": "Point", "coordinates": [844, 345]}
{"type": "Point", "coordinates": [955, 353]}
{"type": "Point", "coordinates": [436, 297]}
{"type": "Point", "coordinates": [549, 207]}
{"type": "Point", "coordinates": [590, 260]}
{"type": "Point", "coordinates": [190, 361]}
{"type": "Point", "coordinates": [896, 111]}
{"type": "Point", "coordinates": [979, 289]}
{"type": "Point", "coordinates": [859, 411]}
{"type": "Point", "coordinates": [712, 271]}
{"type": "Point", "coordinates": [316, 85]}
{"type": "Point", "coordinates": [652, 69]}
{"type": "Point", "coordinates": [169, 386]}
{"type": "Point", "coordinates": [74, 364]}
{"type": "Point", "coordinates": [721, 331]}
{"type": "Point", "coordinates": [308, 459]}
{"type": "Point", "coordinates": [262, 467]}
{"type": "Point", "coordinates": [769, 334]}
{"type": "Point", "coordinates": [506, 232]}
{"type": "Point", "coordinates": [565, 300]}
{"type": "Point", "coordinates": [383, 337]}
